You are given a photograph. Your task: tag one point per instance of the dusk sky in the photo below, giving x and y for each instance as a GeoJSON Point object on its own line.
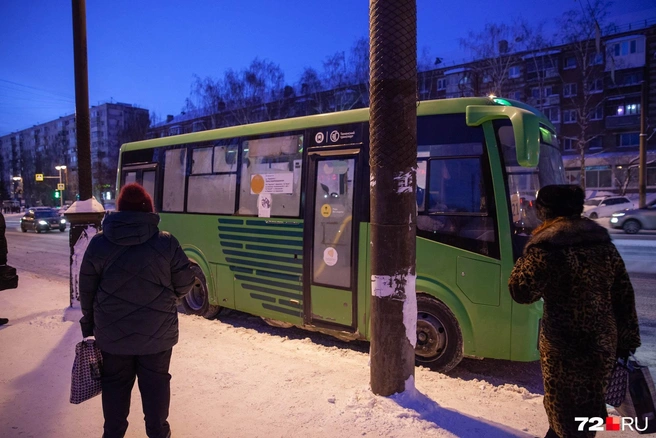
{"type": "Point", "coordinates": [146, 52]}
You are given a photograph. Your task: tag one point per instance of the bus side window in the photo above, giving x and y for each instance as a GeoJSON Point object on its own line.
{"type": "Point", "coordinates": [457, 210]}
{"type": "Point", "coordinates": [213, 182]}
{"type": "Point", "coordinates": [272, 166]}
{"type": "Point", "coordinates": [175, 169]}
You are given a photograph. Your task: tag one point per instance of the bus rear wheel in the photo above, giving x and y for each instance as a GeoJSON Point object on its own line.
{"type": "Point", "coordinates": [439, 339]}
{"type": "Point", "coordinates": [197, 301]}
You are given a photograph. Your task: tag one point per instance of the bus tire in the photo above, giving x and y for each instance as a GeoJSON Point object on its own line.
{"type": "Point", "coordinates": [439, 338]}
{"type": "Point", "coordinates": [197, 301]}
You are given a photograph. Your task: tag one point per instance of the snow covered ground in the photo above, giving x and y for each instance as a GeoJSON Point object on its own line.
{"type": "Point", "coordinates": [235, 377]}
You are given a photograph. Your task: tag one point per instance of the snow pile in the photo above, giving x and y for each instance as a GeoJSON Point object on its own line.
{"type": "Point", "coordinates": [237, 377]}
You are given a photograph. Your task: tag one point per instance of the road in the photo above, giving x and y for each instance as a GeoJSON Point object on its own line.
{"type": "Point", "coordinates": [51, 249]}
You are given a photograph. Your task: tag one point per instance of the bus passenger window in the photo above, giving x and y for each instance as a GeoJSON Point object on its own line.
{"type": "Point", "coordinates": [149, 182]}
{"type": "Point", "coordinates": [272, 166]}
{"type": "Point", "coordinates": [213, 183]}
{"type": "Point", "coordinates": [175, 171]}
{"type": "Point", "coordinates": [130, 177]}
{"type": "Point", "coordinates": [457, 209]}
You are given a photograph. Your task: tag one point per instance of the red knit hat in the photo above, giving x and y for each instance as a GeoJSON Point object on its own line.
{"type": "Point", "coordinates": [134, 197]}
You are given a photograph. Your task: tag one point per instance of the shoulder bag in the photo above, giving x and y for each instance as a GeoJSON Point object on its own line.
{"type": "Point", "coordinates": [640, 399]}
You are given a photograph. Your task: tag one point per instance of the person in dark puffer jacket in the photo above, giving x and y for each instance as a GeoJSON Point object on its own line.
{"type": "Point", "coordinates": [131, 276]}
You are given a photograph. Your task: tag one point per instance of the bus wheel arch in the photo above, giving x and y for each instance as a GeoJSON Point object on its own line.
{"type": "Point", "coordinates": [439, 336]}
{"type": "Point", "coordinates": [197, 301]}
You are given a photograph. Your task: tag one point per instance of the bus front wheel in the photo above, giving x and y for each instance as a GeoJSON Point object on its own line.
{"type": "Point", "coordinates": [439, 339]}
{"type": "Point", "coordinates": [197, 301]}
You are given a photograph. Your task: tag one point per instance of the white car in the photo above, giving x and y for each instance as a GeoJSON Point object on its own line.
{"type": "Point", "coordinates": [605, 206]}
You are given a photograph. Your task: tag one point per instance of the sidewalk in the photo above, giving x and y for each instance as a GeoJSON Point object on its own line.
{"type": "Point", "coordinates": [234, 377]}
{"type": "Point", "coordinates": [237, 377]}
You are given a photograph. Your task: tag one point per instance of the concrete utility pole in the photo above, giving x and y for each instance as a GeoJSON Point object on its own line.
{"type": "Point", "coordinates": [393, 161]}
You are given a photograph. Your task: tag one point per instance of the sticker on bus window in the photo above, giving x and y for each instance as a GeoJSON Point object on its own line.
{"type": "Point", "coordinates": [515, 204]}
{"type": "Point", "coordinates": [264, 205]}
{"type": "Point", "coordinates": [326, 210]}
{"type": "Point", "coordinates": [330, 256]}
{"type": "Point", "coordinates": [272, 183]}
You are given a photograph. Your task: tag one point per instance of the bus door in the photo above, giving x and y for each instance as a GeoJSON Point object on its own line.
{"type": "Point", "coordinates": [144, 174]}
{"type": "Point", "coordinates": [331, 240]}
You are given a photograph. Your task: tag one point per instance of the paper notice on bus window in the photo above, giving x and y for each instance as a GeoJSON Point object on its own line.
{"type": "Point", "coordinates": [264, 205]}
{"type": "Point", "coordinates": [272, 183]}
{"type": "Point", "coordinates": [297, 170]}
{"type": "Point", "coordinates": [515, 204]}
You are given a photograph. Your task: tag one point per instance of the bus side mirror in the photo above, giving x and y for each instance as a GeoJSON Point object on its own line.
{"type": "Point", "coordinates": [526, 128]}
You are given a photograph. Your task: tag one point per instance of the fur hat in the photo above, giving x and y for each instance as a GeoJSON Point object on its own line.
{"type": "Point", "coordinates": [561, 200]}
{"type": "Point", "coordinates": [133, 197]}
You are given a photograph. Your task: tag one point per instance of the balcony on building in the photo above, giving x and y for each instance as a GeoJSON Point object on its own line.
{"type": "Point", "coordinates": [623, 111]}
{"type": "Point", "coordinates": [630, 121]}
{"type": "Point", "coordinates": [626, 52]}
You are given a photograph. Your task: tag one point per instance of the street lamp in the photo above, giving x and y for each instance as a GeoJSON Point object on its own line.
{"type": "Point", "coordinates": [61, 198]}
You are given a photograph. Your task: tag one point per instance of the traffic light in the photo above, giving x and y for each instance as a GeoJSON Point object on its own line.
{"type": "Point", "coordinates": [56, 194]}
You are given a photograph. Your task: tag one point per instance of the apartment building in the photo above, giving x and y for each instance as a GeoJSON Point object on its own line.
{"type": "Point", "coordinates": [595, 97]}
{"type": "Point", "coordinates": [44, 148]}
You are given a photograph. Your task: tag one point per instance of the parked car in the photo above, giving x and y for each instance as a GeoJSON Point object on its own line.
{"type": "Point", "coordinates": [632, 221]}
{"type": "Point", "coordinates": [605, 206]}
{"type": "Point", "coordinates": [42, 219]}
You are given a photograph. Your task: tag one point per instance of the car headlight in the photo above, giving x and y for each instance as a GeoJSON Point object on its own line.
{"type": "Point", "coordinates": [63, 221]}
{"type": "Point", "coordinates": [614, 220]}
{"type": "Point", "coordinates": [619, 214]}
{"type": "Point", "coordinates": [43, 223]}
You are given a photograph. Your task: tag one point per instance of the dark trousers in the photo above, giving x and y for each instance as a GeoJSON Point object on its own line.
{"type": "Point", "coordinates": [119, 373]}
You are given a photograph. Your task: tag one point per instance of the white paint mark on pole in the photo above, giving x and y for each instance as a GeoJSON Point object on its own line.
{"type": "Point", "coordinates": [410, 310]}
{"type": "Point", "coordinates": [401, 286]}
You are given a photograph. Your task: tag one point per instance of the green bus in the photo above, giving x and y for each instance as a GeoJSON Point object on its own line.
{"type": "Point", "coordinates": [275, 217]}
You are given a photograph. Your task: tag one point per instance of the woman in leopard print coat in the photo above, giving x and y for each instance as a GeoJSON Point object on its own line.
{"type": "Point", "coordinates": [589, 307]}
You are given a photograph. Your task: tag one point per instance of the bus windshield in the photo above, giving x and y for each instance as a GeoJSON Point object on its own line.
{"type": "Point", "coordinates": [525, 182]}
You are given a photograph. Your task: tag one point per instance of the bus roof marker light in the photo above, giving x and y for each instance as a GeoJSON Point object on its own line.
{"type": "Point", "coordinates": [500, 101]}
